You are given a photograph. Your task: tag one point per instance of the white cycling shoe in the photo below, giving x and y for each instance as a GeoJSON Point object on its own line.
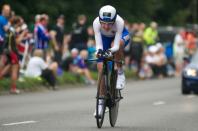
{"type": "Point", "coordinates": [120, 81]}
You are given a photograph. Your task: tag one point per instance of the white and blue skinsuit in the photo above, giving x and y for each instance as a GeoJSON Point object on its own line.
{"type": "Point", "coordinates": [104, 38]}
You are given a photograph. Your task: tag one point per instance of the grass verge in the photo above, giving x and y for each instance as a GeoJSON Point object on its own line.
{"type": "Point", "coordinates": [33, 84]}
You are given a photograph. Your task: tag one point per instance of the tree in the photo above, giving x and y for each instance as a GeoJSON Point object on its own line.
{"type": "Point", "coordinates": [177, 12]}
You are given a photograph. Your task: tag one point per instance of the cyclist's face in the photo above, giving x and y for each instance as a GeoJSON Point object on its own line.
{"type": "Point", "coordinates": [106, 26]}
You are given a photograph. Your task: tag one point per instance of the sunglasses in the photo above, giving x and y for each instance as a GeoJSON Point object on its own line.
{"type": "Point", "coordinates": [107, 23]}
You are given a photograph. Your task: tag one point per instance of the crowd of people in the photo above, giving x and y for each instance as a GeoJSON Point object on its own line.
{"type": "Point", "coordinates": [45, 52]}
{"type": "Point", "coordinates": [149, 56]}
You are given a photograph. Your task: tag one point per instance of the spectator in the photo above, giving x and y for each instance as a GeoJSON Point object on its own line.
{"type": "Point", "coordinates": [137, 43]}
{"type": "Point", "coordinates": [142, 27]}
{"type": "Point", "coordinates": [67, 62]}
{"type": "Point", "coordinates": [133, 28]}
{"type": "Point", "coordinates": [79, 35]}
{"type": "Point", "coordinates": [11, 61]}
{"type": "Point", "coordinates": [157, 60]}
{"type": "Point", "coordinates": [37, 67]}
{"type": "Point", "coordinates": [179, 51]}
{"type": "Point", "coordinates": [24, 41]}
{"type": "Point", "coordinates": [162, 61]}
{"type": "Point", "coordinates": [66, 52]}
{"type": "Point", "coordinates": [90, 33]}
{"type": "Point", "coordinates": [59, 36]}
{"type": "Point", "coordinates": [191, 42]}
{"type": "Point", "coordinates": [37, 19]}
{"type": "Point", "coordinates": [145, 70]}
{"type": "Point", "coordinates": [80, 67]}
{"type": "Point", "coordinates": [42, 36]}
{"type": "Point", "coordinates": [91, 54]}
{"type": "Point", "coordinates": [91, 43]}
{"type": "Point", "coordinates": [91, 49]}
{"type": "Point", "coordinates": [128, 50]}
{"type": "Point", "coordinates": [5, 14]}
{"type": "Point", "coordinates": [151, 34]}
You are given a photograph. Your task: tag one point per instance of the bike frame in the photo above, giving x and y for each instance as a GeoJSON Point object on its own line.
{"type": "Point", "coordinates": [107, 72]}
{"type": "Point", "coordinates": [108, 92]}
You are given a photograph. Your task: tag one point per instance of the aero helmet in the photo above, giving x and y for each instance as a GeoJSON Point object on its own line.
{"type": "Point", "coordinates": [107, 14]}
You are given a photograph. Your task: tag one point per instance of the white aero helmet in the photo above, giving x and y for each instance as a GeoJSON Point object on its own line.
{"type": "Point", "coordinates": [107, 14]}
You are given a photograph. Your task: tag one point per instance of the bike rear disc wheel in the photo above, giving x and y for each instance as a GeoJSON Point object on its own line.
{"type": "Point", "coordinates": [113, 109]}
{"type": "Point", "coordinates": [113, 112]}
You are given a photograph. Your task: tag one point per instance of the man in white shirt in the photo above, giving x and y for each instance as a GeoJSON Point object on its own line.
{"type": "Point", "coordinates": [35, 67]}
{"type": "Point", "coordinates": [38, 68]}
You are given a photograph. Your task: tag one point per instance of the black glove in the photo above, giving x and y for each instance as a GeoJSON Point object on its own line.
{"type": "Point", "coordinates": [99, 53]}
{"type": "Point", "coordinates": [108, 54]}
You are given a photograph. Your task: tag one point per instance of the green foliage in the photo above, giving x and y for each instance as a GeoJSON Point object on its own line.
{"type": "Point", "coordinates": [32, 84]}
{"type": "Point", "coordinates": [162, 11]}
{"type": "Point", "coordinates": [129, 73]}
{"type": "Point", "coordinates": [94, 75]}
{"type": "Point", "coordinates": [69, 78]}
{"type": "Point", "coordinates": [29, 83]}
{"type": "Point", "coordinates": [181, 15]}
{"type": "Point", "coordinates": [4, 84]}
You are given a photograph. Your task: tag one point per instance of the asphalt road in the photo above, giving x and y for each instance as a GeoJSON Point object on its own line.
{"type": "Point", "coordinates": [152, 105]}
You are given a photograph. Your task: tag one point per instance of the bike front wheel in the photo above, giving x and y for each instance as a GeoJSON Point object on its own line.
{"type": "Point", "coordinates": [99, 97]}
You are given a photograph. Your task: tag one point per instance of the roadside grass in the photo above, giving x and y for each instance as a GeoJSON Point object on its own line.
{"type": "Point", "coordinates": [34, 84]}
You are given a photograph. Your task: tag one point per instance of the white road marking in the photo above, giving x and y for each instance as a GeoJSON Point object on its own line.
{"type": "Point", "coordinates": [157, 103]}
{"type": "Point", "coordinates": [19, 123]}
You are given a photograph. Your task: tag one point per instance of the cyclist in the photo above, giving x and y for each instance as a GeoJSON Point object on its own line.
{"type": "Point", "coordinates": [111, 37]}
